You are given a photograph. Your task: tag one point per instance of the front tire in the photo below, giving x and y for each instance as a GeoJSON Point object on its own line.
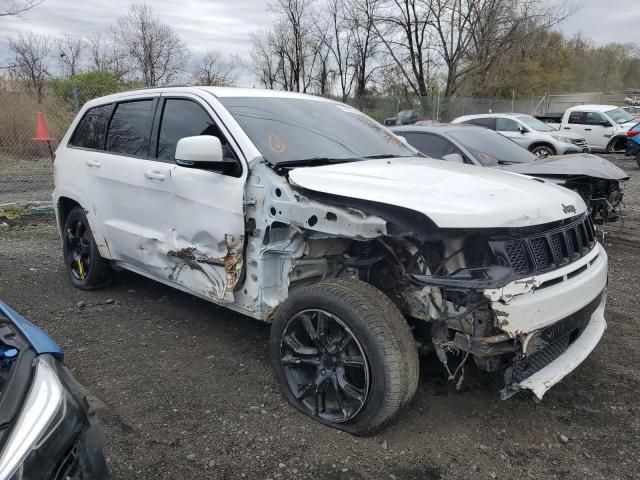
{"type": "Point", "coordinates": [344, 355]}
{"type": "Point", "coordinates": [86, 269]}
{"type": "Point", "coordinates": [543, 151]}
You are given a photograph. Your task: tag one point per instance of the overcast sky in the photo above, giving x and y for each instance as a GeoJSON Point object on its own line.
{"type": "Point", "coordinates": [225, 24]}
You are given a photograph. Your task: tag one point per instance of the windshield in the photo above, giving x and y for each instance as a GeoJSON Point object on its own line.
{"type": "Point", "coordinates": [620, 116]}
{"type": "Point", "coordinates": [535, 124]}
{"type": "Point", "coordinates": [491, 148]}
{"type": "Point", "coordinates": [293, 130]}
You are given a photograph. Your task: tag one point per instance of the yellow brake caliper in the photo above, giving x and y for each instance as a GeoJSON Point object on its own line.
{"type": "Point", "coordinates": [80, 268]}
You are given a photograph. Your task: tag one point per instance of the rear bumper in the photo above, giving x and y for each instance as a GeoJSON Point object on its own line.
{"type": "Point", "coordinates": [578, 351]}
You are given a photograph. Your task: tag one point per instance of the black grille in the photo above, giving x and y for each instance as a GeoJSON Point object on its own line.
{"type": "Point", "coordinates": [541, 252]}
{"type": "Point", "coordinates": [551, 342]}
{"type": "Point", "coordinates": [517, 256]}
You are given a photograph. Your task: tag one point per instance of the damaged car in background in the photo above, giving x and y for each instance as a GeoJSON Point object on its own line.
{"type": "Point", "coordinates": [598, 181]}
{"type": "Point", "coordinates": [305, 213]}
{"type": "Point", "coordinates": [48, 430]}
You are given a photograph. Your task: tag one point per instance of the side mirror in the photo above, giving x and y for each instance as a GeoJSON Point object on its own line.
{"type": "Point", "coordinates": [522, 129]}
{"type": "Point", "coordinates": [453, 157]}
{"type": "Point", "coordinates": [605, 123]}
{"type": "Point", "coordinates": [196, 151]}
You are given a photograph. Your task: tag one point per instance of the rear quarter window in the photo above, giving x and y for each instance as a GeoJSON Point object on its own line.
{"type": "Point", "coordinates": [91, 132]}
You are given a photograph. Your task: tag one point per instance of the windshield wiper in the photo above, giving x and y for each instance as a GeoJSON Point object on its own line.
{"type": "Point", "coordinates": [385, 155]}
{"type": "Point", "coordinates": [315, 161]}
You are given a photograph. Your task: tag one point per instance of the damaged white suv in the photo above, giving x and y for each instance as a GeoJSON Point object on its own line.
{"type": "Point", "coordinates": [306, 213]}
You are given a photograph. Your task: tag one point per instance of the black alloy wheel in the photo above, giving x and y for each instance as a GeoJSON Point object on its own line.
{"type": "Point", "coordinates": [325, 365]}
{"type": "Point", "coordinates": [77, 239]}
{"type": "Point", "coordinates": [85, 266]}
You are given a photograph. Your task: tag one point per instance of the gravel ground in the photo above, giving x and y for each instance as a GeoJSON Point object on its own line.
{"type": "Point", "coordinates": [184, 388]}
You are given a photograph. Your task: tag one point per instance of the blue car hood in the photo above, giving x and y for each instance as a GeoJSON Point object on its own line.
{"type": "Point", "coordinates": [37, 338]}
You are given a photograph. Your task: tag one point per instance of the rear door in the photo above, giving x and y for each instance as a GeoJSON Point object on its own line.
{"type": "Point", "coordinates": [195, 235]}
{"type": "Point", "coordinates": [115, 177]}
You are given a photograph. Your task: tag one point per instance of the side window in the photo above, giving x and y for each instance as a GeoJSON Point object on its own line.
{"type": "Point", "coordinates": [92, 129]}
{"type": "Point", "coordinates": [506, 125]}
{"type": "Point", "coordinates": [431, 145]}
{"type": "Point", "coordinates": [129, 130]}
{"type": "Point", "coordinates": [595, 118]}
{"type": "Point", "coordinates": [577, 117]}
{"type": "Point", "coordinates": [489, 123]}
{"type": "Point", "coordinates": [185, 118]}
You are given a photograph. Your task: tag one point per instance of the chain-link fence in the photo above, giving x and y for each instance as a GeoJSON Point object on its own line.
{"type": "Point", "coordinates": [62, 99]}
{"type": "Point", "coordinates": [445, 109]}
{"type": "Point", "coordinates": [19, 109]}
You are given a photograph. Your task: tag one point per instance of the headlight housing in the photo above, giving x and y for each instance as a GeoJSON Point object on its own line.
{"type": "Point", "coordinates": [562, 139]}
{"type": "Point", "coordinates": [41, 407]}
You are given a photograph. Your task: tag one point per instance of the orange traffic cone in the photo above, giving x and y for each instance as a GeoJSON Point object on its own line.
{"type": "Point", "coordinates": [42, 132]}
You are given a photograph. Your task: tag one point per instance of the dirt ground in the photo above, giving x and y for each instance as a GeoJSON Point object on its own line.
{"type": "Point", "coordinates": [184, 388]}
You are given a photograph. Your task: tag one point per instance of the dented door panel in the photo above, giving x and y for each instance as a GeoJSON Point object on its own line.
{"type": "Point", "coordinates": [156, 199]}
{"type": "Point", "coordinates": [207, 237]}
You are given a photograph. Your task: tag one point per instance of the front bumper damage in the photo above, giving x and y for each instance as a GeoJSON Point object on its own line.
{"type": "Point", "coordinates": [543, 326]}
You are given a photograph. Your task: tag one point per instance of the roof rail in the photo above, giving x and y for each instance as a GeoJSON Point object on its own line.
{"type": "Point", "coordinates": [158, 86]}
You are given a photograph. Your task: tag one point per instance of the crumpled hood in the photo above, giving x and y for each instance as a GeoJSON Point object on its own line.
{"type": "Point", "coordinates": [452, 195]}
{"type": "Point", "coordinates": [575, 165]}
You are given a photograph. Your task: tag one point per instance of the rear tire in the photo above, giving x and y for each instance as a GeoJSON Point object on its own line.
{"type": "Point", "coordinates": [308, 355]}
{"type": "Point", "coordinates": [86, 269]}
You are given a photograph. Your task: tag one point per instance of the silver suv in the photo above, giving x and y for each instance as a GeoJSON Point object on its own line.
{"type": "Point", "coordinates": [531, 133]}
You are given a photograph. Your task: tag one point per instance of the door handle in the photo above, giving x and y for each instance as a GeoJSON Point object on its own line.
{"type": "Point", "coordinates": [153, 175]}
{"type": "Point", "coordinates": [587, 129]}
{"type": "Point", "coordinates": [567, 128]}
{"type": "Point", "coordinates": [93, 163]}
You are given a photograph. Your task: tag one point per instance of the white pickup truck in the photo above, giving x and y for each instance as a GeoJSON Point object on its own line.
{"type": "Point", "coordinates": [603, 126]}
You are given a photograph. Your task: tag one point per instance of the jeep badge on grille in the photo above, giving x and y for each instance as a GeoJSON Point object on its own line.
{"type": "Point", "coordinates": [568, 208]}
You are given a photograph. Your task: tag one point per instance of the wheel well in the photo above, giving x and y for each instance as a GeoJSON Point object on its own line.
{"type": "Point", "coordinates": [65, 205]}
{"type": "Point", "coordinates": [541, 144]}
{"type": "Point", "coordinates": [617, 143]}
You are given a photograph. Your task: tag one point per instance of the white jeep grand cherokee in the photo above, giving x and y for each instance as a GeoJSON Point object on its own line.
{"type": "Point", "coordinates": [306, 213]}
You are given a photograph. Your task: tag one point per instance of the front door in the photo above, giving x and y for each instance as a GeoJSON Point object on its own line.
{"type": "Point", "coordinates": [510, 129]}
{"type": "Point", "coordinates": [194, 228]}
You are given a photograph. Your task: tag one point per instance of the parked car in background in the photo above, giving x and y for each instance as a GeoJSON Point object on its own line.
{"type": "Point", "coordinates": [633, 110]}
{"type": "Point", "coordinates": [48, 431]}
{"type": "Point", "coordinates": [304, 212]}
{"type": "Point", "coordinates": [603, 126]}
{"type": "Point", "coordinates": [404, 117]}
{"type": "Point", "coordinates": [597, 180]}
{"type": "Point", "coordinates": [534, 135]}
{"type": "Point", "coordinates": [633, 143]}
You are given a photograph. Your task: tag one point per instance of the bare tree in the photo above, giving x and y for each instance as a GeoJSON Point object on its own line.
{"type": "Point", "coordinates": [340, 45]}
{"type": "Point", "coordinates": [212, 70]}
{"type": "Point", "coordinates": [292, 38]}
{"type": "Point", "coordinates": [106, 55]}
{"type": "Point", "coordinates": [154, 48]}
{"type": "Point", "coordinates": [262, 59]}
{"type": "Point", "coordinates": [70, 50]}
{"type": "Point", "coordinates": [17, 8]}
{"type": "Point", "coordinates": [30, 61]}
{"type": "Point", "coordinates": [361, 15]}
{"type": "Point", "coordinates": [403, 27]}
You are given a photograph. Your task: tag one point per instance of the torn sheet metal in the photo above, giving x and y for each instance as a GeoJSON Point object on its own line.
{"type": "Point", "coordinates": [200, 272]}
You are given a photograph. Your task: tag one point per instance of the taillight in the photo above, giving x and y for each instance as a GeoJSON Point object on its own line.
{"type": "Point", "coordinates": [632, 133]}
